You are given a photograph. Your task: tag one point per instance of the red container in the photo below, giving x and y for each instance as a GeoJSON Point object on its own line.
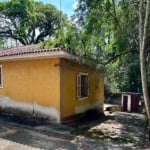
{"type": "Point", "coordinates": [130, 102]}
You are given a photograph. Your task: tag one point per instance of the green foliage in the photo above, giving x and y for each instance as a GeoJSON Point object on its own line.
{"type": "Point", "coordinates": [106, 33]}
{"type": "Point", "coordinates": [113, 27]}
{"type": "Point", "coordinates": [76, 41]}
{"type": "Point", "coordinates": [65, 37]}
{"type": "Point", "coordinates": [27, 21]}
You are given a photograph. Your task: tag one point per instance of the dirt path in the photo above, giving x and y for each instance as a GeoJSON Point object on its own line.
{"type": "Point", "coordinates": [116, 131]}
{"type": "Point", "coordinates": [9, 145]}
{"type": "Point", "coordinates": [125, 130]}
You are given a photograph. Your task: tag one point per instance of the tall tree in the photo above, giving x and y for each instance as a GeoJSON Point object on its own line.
{"type": "Point", "coordinates": [27, 21]}
{"type": "Point", "coordinates": [144, 17]}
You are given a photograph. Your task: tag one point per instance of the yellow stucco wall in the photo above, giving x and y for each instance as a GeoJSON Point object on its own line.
{"type": "Point", "coordinates": [32, 81]}
{"type": "Point", "coordinates": [50, 83]}
{"type": "Point", "coordinates": [72, 105]}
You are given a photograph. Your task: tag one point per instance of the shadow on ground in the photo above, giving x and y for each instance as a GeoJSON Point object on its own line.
{"type": "Point", "coordinates": [117, 127]}
{"type": "Point", "coordinates": [118, 130]}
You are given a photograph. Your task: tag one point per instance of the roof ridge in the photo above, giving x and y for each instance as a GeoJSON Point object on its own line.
{"type": "Point", "coordinates": [54, 49]}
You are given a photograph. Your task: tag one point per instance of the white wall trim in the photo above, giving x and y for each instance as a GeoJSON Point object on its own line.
{"type": "Point", "coordinates": [77, 82]}
{"type": "Point", "coordinates": [128, 101]}
{"type": "Point", "coordinates": [1, 85]}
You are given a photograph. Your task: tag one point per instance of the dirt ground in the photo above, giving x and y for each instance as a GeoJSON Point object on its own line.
{"type": "Point", "coordinates": [117, 131]}
{"type": "Point", "coordinates": [8, 145]}
{"type": "Point", "coordinates": [126, 130]}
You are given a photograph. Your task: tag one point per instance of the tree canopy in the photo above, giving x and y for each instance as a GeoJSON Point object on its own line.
{"type": "Point", "coordinates": [106, 32]}
{"type": "Point", "coordinates": [27, 21]}
{"type": "Point", "coordinates": [113, 26]}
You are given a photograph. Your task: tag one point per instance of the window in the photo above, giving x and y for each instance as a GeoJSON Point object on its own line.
{"type": "Point", "coordinates": [1, 79]}
{"type": "Point", "coordinates": [82, 85]}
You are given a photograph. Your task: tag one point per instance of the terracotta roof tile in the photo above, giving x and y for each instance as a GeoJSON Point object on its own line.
{"type": "Point", "coordinates": [33, 51]}
{"type": "Point", "coordinates": [20, 50]}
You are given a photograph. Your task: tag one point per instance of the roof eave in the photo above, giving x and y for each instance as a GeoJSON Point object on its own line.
{"type": "Point", "coordinates": [43, 55]}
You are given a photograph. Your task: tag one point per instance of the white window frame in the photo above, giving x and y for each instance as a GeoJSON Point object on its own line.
{"type": "Point", "coordinates": [78, 86]}
{"type": "Point", "coordinates": [1, 85]}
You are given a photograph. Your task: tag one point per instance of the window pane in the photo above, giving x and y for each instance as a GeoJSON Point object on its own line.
{"type": "Point", "coordinates": [84, 85]}
{"type": "Point", "coordinates": [78, 86]}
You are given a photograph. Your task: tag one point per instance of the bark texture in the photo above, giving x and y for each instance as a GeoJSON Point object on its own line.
{"type": "Point", "coordinates": [143, 39]}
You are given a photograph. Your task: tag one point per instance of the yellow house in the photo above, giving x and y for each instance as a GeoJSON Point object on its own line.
{"type": "Point", "coordinates": [47, 83]}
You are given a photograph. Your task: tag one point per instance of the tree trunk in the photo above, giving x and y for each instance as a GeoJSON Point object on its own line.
{"type": "Point", "coordinates": [145, 85]}
{"type": "Point", "coordinates": [143, 30]}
